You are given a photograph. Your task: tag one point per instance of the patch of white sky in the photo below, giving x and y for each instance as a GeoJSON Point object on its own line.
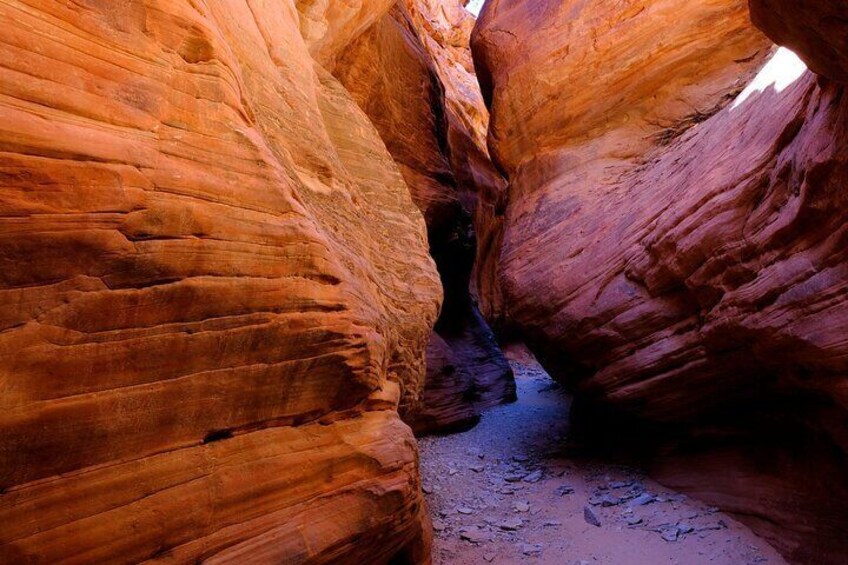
{"type": "Point", "coordinates": [475, 6]}
{"type": "Point", "coordinates": [782, 70]}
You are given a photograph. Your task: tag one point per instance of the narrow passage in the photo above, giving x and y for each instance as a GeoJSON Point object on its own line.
{"type": "Point", "coordinates": [507, 492]}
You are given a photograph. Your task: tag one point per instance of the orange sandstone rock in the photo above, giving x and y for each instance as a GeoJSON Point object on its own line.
{"type": "Point", "coordinates": [215, 292]}
{"type": "Point", "coordinates": [412, 73]}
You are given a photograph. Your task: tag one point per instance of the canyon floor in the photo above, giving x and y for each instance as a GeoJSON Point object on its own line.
{"type": "Point", "coordinates": [507, 491]}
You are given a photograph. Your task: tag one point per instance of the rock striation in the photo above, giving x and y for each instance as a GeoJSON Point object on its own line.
{"type": "Point", "coordinates": [413, 75]}
{"type": "Point", "coordinates": [215, 290]}
{"type": "Point", "coordinates": [674, 244]}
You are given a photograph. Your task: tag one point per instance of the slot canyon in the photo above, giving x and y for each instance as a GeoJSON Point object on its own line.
{"type": "Point", "coordinates": [401, 282]}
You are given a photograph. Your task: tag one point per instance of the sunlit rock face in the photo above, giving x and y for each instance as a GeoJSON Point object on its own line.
{"type": "Point", "coordinates": [412, 73]}
{"type": "Point", "coordinates": [679, 258]}
{"type": "Point", "coordinates": [215, 291]}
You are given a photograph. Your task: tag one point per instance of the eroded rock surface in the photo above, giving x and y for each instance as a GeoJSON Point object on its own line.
{"type": "Point", "coordinates": [676, 252]}
{"type": "Point", "coordinates": [215, 291]}
{"type": "Point", "coordinates": [412, 73]}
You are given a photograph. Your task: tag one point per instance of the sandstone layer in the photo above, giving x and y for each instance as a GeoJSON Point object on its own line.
{"type": "Point", "coordinates": [215, 290]}
{"type": "Point", "coordinates": [412, 74]}
{"type": "Point", "coordinates": [675, 251]}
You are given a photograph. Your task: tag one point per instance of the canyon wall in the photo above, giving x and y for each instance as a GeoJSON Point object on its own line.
{"type": "Point", "coordinates": [413, 75]}
{"type": "Point", "coordinates": [215, 290]}
{"type": "Point", "coordinates": [674, 248]}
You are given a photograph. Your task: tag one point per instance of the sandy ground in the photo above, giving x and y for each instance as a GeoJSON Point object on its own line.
{"type": "Point", "coordinates": [505, 492]}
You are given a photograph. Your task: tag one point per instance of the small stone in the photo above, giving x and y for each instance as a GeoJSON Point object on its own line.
{"type": "Point", "coordinates": [452, 472]}
{"type": "Point", "coordinates": [511, 524]}
{"type": "Point", "coordinates": [685, 528]}
{"type": "Point", "coordinates": [521, 506]}
{"type": "Point", "coordinates": [520, 458]}
{"type": "Point", "coordinates": [642, 499]}
{"type": "Point", "coordinates": [514, 477]}
{"type": "Point", "coordinates": [531, 548]}
{"type": "Point", "coordinates": [465, 510]}
{"type": "Point", "coordinates": [533, 477]}
{"type": "Point", "coordinates": [438, 526]}
{"type": "Point", "coordinates": [474, 534]}
{"type": "Point", "coordinates": [633, 520]}
{"type": "Point", "coordinates": [489, 557]}
{"type": "Point", "coordinates": [477, 468]}
{"type": "Point", "coordinates": [552, 523]}
{"type": "Point", "coordinates": [670, 533]}
{"type": "Point", "coordinates": [564, 489]}
{"type": "Point", "coordinates": [590, 517]}
{"type": "Point", "coordinates": [426, 490]}
{"type": "Point", "coordinates": [605, 501]}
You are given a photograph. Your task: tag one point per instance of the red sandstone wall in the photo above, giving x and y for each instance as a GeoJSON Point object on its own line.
{"type": "Point", "coordinates": [677, 258]}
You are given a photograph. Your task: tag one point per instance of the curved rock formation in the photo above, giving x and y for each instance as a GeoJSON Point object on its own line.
{"type": "Point", "coordinates": [216, 291]}
{"type": "Point", "coordinates": [815, 29]}
{"type": "Point", "coordinates": [412, 74]}
{"type": "Point", "coordinates": [676, 252]}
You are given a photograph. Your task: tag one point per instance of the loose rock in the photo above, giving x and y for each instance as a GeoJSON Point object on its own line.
{"type": "Point", "coordinates": [590, 516]}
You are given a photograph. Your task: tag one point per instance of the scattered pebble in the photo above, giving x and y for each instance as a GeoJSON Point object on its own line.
{"type": "Point", "coordinates": [533, 477]}
{"type": "Point", "coordinates": [511, 524]}
{"type": "Point", "coordinates": [552, 523]}
{"type": "Point", "coordinates": [643, 499]}
{"type": "Point", "coordinates": [670, 533]}
{"type": "Point", "coordinates": [474, 534]}
{"type": "Point", "coordinates": [531, 548]}
{"type": "Point", "coordinates": [564, 489]}
{"type": "Point", "coordinates": [590, 516]}
{"type": "Point", "coordinates": [605, 500]}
